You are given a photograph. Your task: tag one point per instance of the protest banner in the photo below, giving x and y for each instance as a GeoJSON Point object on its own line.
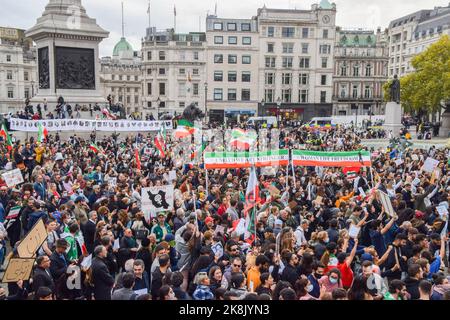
{"type": "Point", "coordinates": [331, 159]}
{"type": "Point", "coordinates": [157, 199]}
{"type": "Point", "coordinates": [33, 240]}
{"type": "Point", "coordinates": [386, 203]}
{"type": "Point", "coordinates": [18, 269]}
{"type": "Point", "coordinates": [13, 178]}
{"type": "Point", "coordinates": [429, 165]}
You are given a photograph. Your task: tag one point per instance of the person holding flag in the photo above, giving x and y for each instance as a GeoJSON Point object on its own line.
{"type": "Point", "coordinates": [6, 137]}
{"type": "Point", "coordinates": [42, 133]}
{"type": "Point", "coordinates": [251, 199]}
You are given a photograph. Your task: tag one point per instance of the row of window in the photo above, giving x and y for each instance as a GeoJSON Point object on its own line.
{"type": "Point", "coordinates": [232, 59]}
{"type": "Point", "coordinates": [128, 99]}
{"type": "Point", "coordinates": [233, 40]}
{"type": "Point", "coordinates": [10, 75]}
{"type": "Point", "coordinates": [289, 32]}
{"type": "Point", "coordinates": [231, 26]}
{"type": "Point", "coordinates": [303, 96]}
{"type": "Point", "coordinates": [287, 79]}
{"type": "Point", "coordinates": [162, 104]}
{"type": "Point", "coordinates": [289, 48]}
{"type": "Point", "coordinates": [10, 93]}
{"type": "Point", "coordinates": [182, 89]}
{"type": "Point", "coordinates": [356, 70]}
{"type": "Point", "coordinates": [120, 78]}
{"type": "Point", "coordinates": [181, 71]}
{"type": "Point", "coordinates": [232, 94]}
{"type": "Point", "coordinates": [355, 91]}
{"type": "Point", "coordinates": [181, 55]}
{"type": "Point", "coordinates": [119, 89]}
{"type": "Point", "coordinates": [232, 76]}
{"type": "Point", "coordinates": [288, 62]}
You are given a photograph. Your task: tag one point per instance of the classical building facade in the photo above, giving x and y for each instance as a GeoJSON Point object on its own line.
{"type": "Point", "coordinates": [232, 68]}
{"type": "Point", "coordinates": [360, 71]}
{"type": "Point", "coordinates": [121, 77]}
{"type": "Point", "coordinates": [412, 34]}
{"type": "Point", "coordinates": [173, 71]}
{"type": "Point", "coordinates": [296, 61]}
{"type": "Point", "coordinates": [18, 70]}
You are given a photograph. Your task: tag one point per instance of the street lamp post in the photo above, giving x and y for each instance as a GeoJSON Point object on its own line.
{"type": "Point", "coordinates": [206, 102]}
{"type": "Point", "coordinates": [278, 110]}
{"type": "Point", "coordinates": [32, 88]}
{"type": "Point", "coordinates": [157, 108]}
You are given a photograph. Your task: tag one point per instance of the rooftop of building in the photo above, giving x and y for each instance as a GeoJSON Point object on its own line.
{"type": "Point", "coordinates": [357, 38]}
{"type": "Point", "coordinates": [420, 16]}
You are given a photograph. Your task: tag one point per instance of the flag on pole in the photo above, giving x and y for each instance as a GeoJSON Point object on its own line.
{"type": "Point", "coordinates": [351, 172]}
{"type": "Point", "coordinates": [138, 160]}
{"type": "Point", "coordinates": [148, 9]}
{"type": "Point", "coordinates": [160, 145]}
{"type": "Point", "coordinates": [4, 133]}
{"type": "Point", "coordinates": [95, 148]}
{"type": "Point", "coordinates": [241, 139]}
{"type": "Point", "coordinates": [184, 129]}
{"type": "Point", "coordinates": [251, 199]}
{"type": "Point", "coordinates": [199, 150]}
{"type": "Point", "coordinates": [174, 11]}
{"type": "Point", "coordinates": [42, 133]}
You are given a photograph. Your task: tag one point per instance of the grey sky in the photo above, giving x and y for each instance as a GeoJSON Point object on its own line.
{"type": "Point", "coordinates": [350, 13]}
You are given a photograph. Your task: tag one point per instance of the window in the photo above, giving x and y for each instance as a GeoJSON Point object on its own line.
{"type": "Point", "coordinates": [246, 76]}
{"type": "Point", "coordinates": [128, 99]}
{"type": "Point", "coordinates": [271, 32]}
{"type": "Point", "coordinates": [181, 89]}
{"type": "Point", "coordinates": [162, 55]}
{"type": "Point", "coordinates": [304, 63]}
{"type": "Point", "coordinates": [218, 58]}
{"type": "Point", "coordinates": [9, 75]}
{"type": "Point", "coordinates": [367, 92]}
{"type": "Point", "coordinates": [27, 93]}
{"type": "Point", "coordinates": [162, 89]}
{"type": "Point", "coordinates": [232, 59]}
{"type": "Point", "coordinates": [323, 80]}
{"type": "Point", "coordinates": [270, 47]}
{"type": "Point", "coordinates": [305, 47]}
{"type": "Point", "coordinates": [195, 89]}
{"type": "Point", "coordinates": [25, 76]}
{"type": "Point", "coordinates": [343, 91]}
{"type": "Point", "coordinates": [218, 40]}
{"type": "Point", "coordinates": [162, 71]}
{"type": "Point", "coordinates": [368, 70]}
{"type": "Point", "coordinates": [136, 78]}
{"type": "Point", "coordinates": [287, 62]}
{"type": "Point", "coordinates": [195, 55]}
{"type": "Point", "coordinates": [182, 71]}
{"type": "Point", "coordinates": [268, 95]}
{"type": "Point", "coordinates": [218, 94]}
{"type": "Point", "coordinates": [10, 92]}
{"type": "Point", "coordinates": [246, 41]}
{"type": "Point", "coordinates": [303, 78]}
{"type": "Point", "coordinates": [149, 55]}
{"type": "Point", "coordinates": [355, 91]}
{"type": "Point", "coordinates": [356, 71]}
{"type": "Point", "coordinates": [245, 95]}
{"type": "Point", "coordinates": [303, 96]}
{"type": "Point", "coordinates": [231, 26]}
{"type": "Point", "coordinates": [246, 59]}
{"type": "Point", "coordinates": [232, 93]}
{"type": "Point", "coordinates": [305, 33]}
{"type": "Point", "coordinates": [325, 49]}
{"type": "Point", "coordinates": [149, 104]}
{"type": "Point", "coordinates": [324, 62]}
{"type": "Point", "coordinates": [8, 58]}
{"type": "Point", "coordinates": [162, 104]}
{"type": "Point", "coordinates": [270, 62]}
{"type": "Point", "coordinates": [269, 78]}
{"type": "Point", "coordinates": [128, 78]}
{"type": "Point", "coordinates": [232, 40]}
{"type": "Point", "coordinates": [217, 26]}
{"type": "Point", "coordinates": [323, 96]}
{"type": "Point", "coordinates": [287, 32]}
{"type": "Point", "coordinates": [195, 72]}
{"type": "Point", "coordinates": [286, 78]}
{"type": "Point", "coordinates": [149, 72]}
{"type": "Point", "coordinates": [245, 27]}
{"type": "Point", "coordinates": [182, 55]}
{"type": "Point", "coordinates": [195, 38]}
{"type": "Point", "coordinates": [286, 95]}
{"type": "Point", "coordinates": [218, 76]}
{"type": "Point", "coordinates": [325, 34]}
{"type": "Point", "coordinates": [232, 76]}
{"type": "Point", "coordinates": [120, 78]}
{"type": "Point", "coordinates": [128, 89]}
{"type": "Point", "coordinates": [136, 90]}
{"type": "Point", "coordinates": [288, 48]}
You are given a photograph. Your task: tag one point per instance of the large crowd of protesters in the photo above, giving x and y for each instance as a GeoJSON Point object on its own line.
{"type": "Point", "coordinates": [90, 203]}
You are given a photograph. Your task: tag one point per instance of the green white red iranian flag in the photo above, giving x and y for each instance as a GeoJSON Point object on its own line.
{"type": "Point", "coordinates": [225, 160]}
{"type": "Point", "coordinates": [331, 159]}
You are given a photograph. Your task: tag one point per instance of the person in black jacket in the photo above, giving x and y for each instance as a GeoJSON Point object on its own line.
{"type": "Point", "coordinates": [415, 275]}
{"type": "Point", "coordinates": [58, 260]}
{"type": "Point", "coordinates": [290, 272]}
{"type": "Point", "coordinates": [396, 261]}
{"type": "Point", "coordinates": [89, 229]}
{"type": "Point", "coordinates": [144, 253]}
{"type": "Point", "coordinates": [111, 259]}
{"type": "Point", "coordinates": [42, 276]}
{"type": "Point", "coordinates": [101, 278]}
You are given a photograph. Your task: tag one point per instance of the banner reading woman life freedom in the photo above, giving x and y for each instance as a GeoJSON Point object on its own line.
{"type": "Point", "coordinates": [225, 160]}
{"type": "Point", "coordinates": [331, 159]}
{"type": "Point", "coordinates": [89, 125]}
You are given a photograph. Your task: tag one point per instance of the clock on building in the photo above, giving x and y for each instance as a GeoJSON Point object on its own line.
{"type": "Point", "coordinates": [326, 19]}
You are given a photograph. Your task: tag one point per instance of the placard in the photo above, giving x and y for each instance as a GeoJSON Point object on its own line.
{"type": "Point", "coordinates": [33, 240]}
{"type": "Point", "coordinates": [172, 175]}
{"type": "Point", "coordinates": [430, 164]}
{"type": "Point", "coordinates": [442, 210]}
{"type": "Point", "coordinates": [414, 157]}
{"type": "Point", "coordinates": [353, 232]}
{"type": "Point", "coordinates": [157, 199]}
{"type": "Point", "coordinates": [18, 269]}
{"type": "Point", "coordinates": [398, 162]}
{"type": "Point", "coordinates": [13, 178]}
{"type": "Point", "coordinates": [87, 261]}
{"type": "Point", "coordinates": [386, 202]}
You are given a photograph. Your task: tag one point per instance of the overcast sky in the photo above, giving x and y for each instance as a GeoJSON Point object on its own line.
{"type": "Point", "coordinates": [350, 13]}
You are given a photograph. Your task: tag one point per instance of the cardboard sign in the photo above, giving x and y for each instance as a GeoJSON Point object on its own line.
{"type": "Point", "coordinates": [442, 210]}
{"type": "Point", "coordinates": [414, 157]}
{"type": "Point", "coordinates": [116, 245]}
{"type": "Point", "coordinates": [273, 190]}
{"type": "Point", "coordinates": [416, 181]}
{"type": "Point", "coordinates": [13, 178]}
{"type": "Point", "coordinates": [18, 269]}
{"type": "Point", "coordinates": [353, 232]}
{"type": "Point", "coordinates": [172, 175]}
{"type": "Point", "coordinates": [157, 199]}
{"type": "Point", "coordinates": [429, 165]}
{"type": "Point", "coordinates": [398, 162]}
{"type": "Point", "coordinates": [386, 203]}
{"type": "Point", "coordinates": [33, 240]}
{"type": "Point", "coordinates": [87, 261]}
{"type": "Point", "coordinates": [219, 229]}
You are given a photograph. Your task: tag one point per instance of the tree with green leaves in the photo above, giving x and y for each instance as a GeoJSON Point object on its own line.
{"type": "Point", "coordinates": [428, 87]}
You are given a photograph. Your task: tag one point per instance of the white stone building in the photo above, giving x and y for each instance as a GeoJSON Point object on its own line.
{"type": "Point", "coordinates": [296, 61]}
{"type": "Point", "coordinates": [360, 71]}
{"type": "Point", "coordinates": [18, 70]}
{"type": "Point", "coordinates": [232, 68]}
{"type": "Point", "coordinates": [412, 34]}
{"type": "Point", "coordinates": [173, 71]}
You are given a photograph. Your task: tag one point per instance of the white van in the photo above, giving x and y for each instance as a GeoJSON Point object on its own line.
{"type": "Point", "coordinates": [321, 122]}
{"type": "Point", "coordinates": [252, 121]}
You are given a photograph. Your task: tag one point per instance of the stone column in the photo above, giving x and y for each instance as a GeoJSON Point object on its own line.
{"type": "Point", "coordinates": [393, 118]}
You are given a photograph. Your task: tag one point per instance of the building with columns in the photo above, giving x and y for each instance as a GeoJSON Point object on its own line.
{"type": "Point", "coordinates": [360, 71]}
{"type": "Point", "coordinates": [296, 61]}
{"type": "Point", "coordinates": [18, 70]}
{"type": "Point", "coordinates": [173, 71]}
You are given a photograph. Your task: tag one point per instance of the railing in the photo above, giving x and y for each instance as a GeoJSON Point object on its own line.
{"type": "Point", "coordinates": [359, 98]}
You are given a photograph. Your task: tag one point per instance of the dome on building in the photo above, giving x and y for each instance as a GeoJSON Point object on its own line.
{"type": "Point", "coordinates": [123, 50]}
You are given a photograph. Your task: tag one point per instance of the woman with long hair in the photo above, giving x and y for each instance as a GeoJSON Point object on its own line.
{"type": "Point", "coordinates": [359, 289]}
